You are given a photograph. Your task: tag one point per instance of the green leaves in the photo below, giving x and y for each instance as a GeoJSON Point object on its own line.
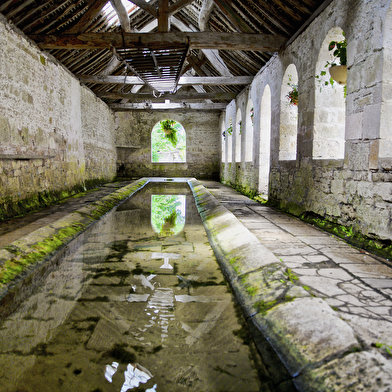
{"type": "Point", "coordinates": [340, 52]}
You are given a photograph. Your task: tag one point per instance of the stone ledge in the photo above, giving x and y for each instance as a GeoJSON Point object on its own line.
{"type": "Point", "coordinates": [25, 157]}
{"type": "Point", "coordinates": [24, 261]}
{"type": "Point", "coordinates": [313, 342]}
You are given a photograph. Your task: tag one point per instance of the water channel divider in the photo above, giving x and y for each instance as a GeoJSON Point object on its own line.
{"type": "Point", "coordinates": [309, 337]}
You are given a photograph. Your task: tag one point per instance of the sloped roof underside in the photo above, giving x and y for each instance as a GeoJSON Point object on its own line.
{"type": "Point", "coordinates": [130, 74]}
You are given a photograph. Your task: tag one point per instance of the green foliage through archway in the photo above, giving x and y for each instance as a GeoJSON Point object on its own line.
{"type": "Point", "coordinates": [168, 142]}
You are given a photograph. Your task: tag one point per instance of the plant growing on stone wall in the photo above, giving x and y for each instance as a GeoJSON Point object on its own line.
{"type": "Point", "coordinates": [252, 113]}
{"type": "Point", "coordinates": [340, 52]}
{"type": "Point", "coordinates": [292, 95]}
{"type": "Point", "coordinates": [228, 131]}
{"type": "Point", "coordinates": [167, 126]}
{"type": "Point", "coordinates": [338, 67]}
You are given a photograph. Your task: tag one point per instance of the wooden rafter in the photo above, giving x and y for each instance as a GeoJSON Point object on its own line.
{"type": "Point", "coordinates": [94, 8]}
{"type": "Point", "coordinates": [212, 54]}
{"type": "Point", "coordinates": [227, 9]}
{"type": "Point", "coordinates": [163, 16]}
{"type": "Point", "coordinates": [122, 14]}
{"type": "Point", "coordinates": [179, 4]}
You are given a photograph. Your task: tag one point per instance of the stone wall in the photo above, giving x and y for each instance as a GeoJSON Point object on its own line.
{"type": "Point", "coordinates": [55, 135]}
{"type": "Point", "coordinates": [356, 190]}
{"type": "Point", "coordinates": [133, 140]}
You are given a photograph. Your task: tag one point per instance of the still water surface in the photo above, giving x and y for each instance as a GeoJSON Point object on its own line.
{"type": "Point", "coordinates": [139, 305]}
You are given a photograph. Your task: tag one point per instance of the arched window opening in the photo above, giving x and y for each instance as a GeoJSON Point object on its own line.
{"type": "Point", "coordinates": [238, 131]}
{"type": "Point", "coordinates": [229, 140]}
{"type": "Point", "coordinates": [288, 115]}
{"type": "Point", "coordinates": [330, 104]}
{"type": "Point", "coordinates": [249, 131]}
{"type": "Point", "coordinates": [265, 141]}
{"type": "Point", "coordinates": [223, 139]}
{"type": "Point", "coordinates": [168, 142]}
{"type": "Point", "coordinates": [385, 143]}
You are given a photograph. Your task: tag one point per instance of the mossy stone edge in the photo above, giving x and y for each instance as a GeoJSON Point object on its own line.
{"type": "Point", "coordinates": [30, 258]}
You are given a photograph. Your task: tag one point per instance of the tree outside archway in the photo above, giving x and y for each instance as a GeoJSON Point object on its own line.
{"type": "Point", "coordinates": [168, 142]}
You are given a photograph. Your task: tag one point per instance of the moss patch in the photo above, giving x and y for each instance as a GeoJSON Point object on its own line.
{"type": "Point", "coordinates": [263, 307]}
{"type": "Point", "coordinates": [12, 209]}
{"type": "Point", "coordinates": [377, 246]}
{"type": "Point", "coordinates": [41, 250]}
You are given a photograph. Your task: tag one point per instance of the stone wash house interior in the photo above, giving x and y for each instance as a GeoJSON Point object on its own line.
{"type": "Point", "coordinates": [84, 84]}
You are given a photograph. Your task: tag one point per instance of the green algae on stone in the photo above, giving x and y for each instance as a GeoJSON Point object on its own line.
{"type": "Point", "coordinates": [42, 249]}
{"type": "Point", "coordinates": [377, 246]}
{"type": "Point", "coordinates": [263, 307]}
{"type": "Point", "coordinates": [385, 347]}
{"type": "Point", "coordinates": [290, 275]}
{"type": "Point", "coordinates": [11, 208]}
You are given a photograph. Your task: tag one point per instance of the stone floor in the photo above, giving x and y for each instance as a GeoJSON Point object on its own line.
{"type": "Point", "coordinates": [356, 284]}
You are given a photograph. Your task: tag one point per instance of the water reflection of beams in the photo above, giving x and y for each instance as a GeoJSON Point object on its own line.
{"type": "Point", "coordinates": [166, 258]}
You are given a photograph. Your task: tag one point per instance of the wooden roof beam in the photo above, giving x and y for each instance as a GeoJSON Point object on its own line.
{"type": "Point", "coordinates": [178, 5]}
{"type": "Point", "coordinates": [212, 54]}
{"type": "Point", "coordinates": [163, 16]}
{"type": "Point", "coordinates": [205, 13]}
{"type": "Point", "coordinates": [146, 7]}
{"type": "Point", "coordinates": [180, 96]}
{"type": "Point", "coordinates": [156, 41]}
{"type": "Point", "coordinates": [184, 80]}
{"type": "Point", "coordinates": [118, 107]}
{"type": "Point", "coordinates": [122, 14]}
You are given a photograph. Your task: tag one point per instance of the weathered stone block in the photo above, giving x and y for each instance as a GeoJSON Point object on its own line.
{"type": "Point", "coordinates": [307, 331]}
{"type": "Point", "coordinates": [363, 371]}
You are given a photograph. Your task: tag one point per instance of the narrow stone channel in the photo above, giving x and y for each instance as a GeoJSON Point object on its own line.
{"type": "Point", "coordinates": [139, 304]}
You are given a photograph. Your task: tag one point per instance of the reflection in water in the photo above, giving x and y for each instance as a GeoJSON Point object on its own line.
{"type": "Point", "coordinates": [166, 258]}
{"type": "Point", "coordinates": [134, 375]}
{"type": "Point", "coordinates": [110, 371]}
{"type": "Point", "coordinates": [168, 214]}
